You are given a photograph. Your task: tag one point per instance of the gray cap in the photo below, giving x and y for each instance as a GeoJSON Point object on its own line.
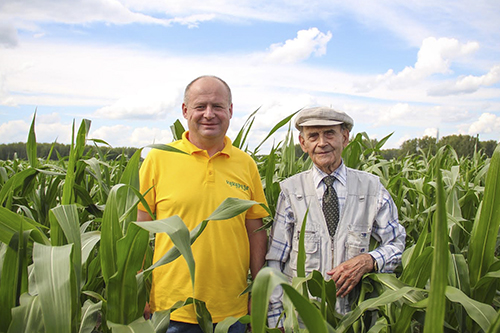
{"type": "Point", "coordinates": [322, 116]}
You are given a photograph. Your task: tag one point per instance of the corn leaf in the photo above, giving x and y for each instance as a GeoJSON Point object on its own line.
{"type": "Point", "coordinates": [53, 270]}
{"type": "Point", "coordinates": [166, 148]}
{"type": "Point", "coordinates": [434, 319]}
{"type": "Point", "coordinates": [111, 232]}
{"type": "Point", "coordinates": [203, 316]}
{"type": "Point", "coordinates": [485, 230]}
{"type": "Point", "coordinates": [138, 326]}
{"type": "Point", "coordinates": [459, 273]}
{"type": "Point", "coordinates": [240, 139]}
{"type": "Point", "coordinates": [418, 271]}
{"type": "Point", "coordinates": [18, 182]}
{"type": "Point", "coordinates": [31, 145]}
{"type": "Point", "coordinates": [495, 327]}
{"type": "Point", "coordinates": [14, 277]}
{"type": "Point", "coordinates": [67, 217]}
{"type": "Point", "coordinates": [266, 280]}
{"type": "Point", "coordinates": [177, 130]}
{"type": "Point", "coordinates": [122, 305]}
{"type": "Point", "coordinates": [76, 151]}
{"type": "Point", "coordinates": [28, 316]}
{"type": "Point", "coordinates": [161, 319]}
{"type": "Point", "coordinates": [176, 229]}
{"type": "Point", "coordinates": [90, 316]}
{"type": "Point", "coordinates": [10, 223]}
{"type": "Point", "coordinates": [301, 256]}
{"type": "Point", "coordinates": [89, 240]}
{"type": "Point", "coordinates": [280, 124]}
{"type": "Point", "coordinates": [326, 292]}
{"type": "Point", "coordinates": [130, 177]}
{"type": "Point", "coordinates": [481, 313]}
{"type": "Point", "coordinates": [232, 207]}
{"type": "Point", "coordinates": [308, 312]}
{"type": "Point", "coordinates": [223, 326]}
{"type": "Point", "coordinates": [387, 297]}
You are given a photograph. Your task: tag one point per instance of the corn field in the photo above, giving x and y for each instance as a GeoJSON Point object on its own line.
{"type": "Point", "coordinates": [74, 259]}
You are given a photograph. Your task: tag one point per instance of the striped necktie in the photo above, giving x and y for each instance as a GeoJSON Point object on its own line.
{"type": "Point", "coordinates": [330, 205]}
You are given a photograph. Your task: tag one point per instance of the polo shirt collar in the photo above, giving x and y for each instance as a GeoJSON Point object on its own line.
{"type": "Point", "coordinates": [191, 148]}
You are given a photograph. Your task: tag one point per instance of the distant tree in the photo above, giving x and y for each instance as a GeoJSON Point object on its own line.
{"type": "Point", "coordinates": [56, 150]}
{"type": "Point", "coordinates": [409, 147]}
{"type": "Point", "coordinates": [389, 154]}
{"type": "Point", "coordinates": [464, 145]}
{"type": "Point", "coordinates": [428, 144]}
{"type": "Point", "coordinates": [488, 147]}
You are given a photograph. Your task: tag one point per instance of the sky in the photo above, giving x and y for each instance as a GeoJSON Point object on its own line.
{"type": "Point", "coordinates": [411, 68]}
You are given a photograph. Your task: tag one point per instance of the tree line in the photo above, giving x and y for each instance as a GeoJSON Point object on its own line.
{"type": "Point", "coordinates": [464, 146]}
{"type": "Point", "coordinates": [12, 151]}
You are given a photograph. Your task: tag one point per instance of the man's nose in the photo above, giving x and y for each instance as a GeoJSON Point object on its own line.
{"type": "Point", "coordinates": [322, 140]}
{"type": "Point", "coordinates": [209, 112]}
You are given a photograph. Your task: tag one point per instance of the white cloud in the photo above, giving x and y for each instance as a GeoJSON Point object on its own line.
{"type": "Point", "coordinates": [147, 104]}
{"type": "Point", "coordinates": [78, 11]}
{"type": "Point", "coordinates": [144, 136]}
{"type": "Point", "coordinates": [308, 42]}
{"type": "Point", "coordinates": [431, 132]}
{"type": "Point", "coordinates": [126, 136]}
{"type": "Point", "coordinates": [394, 114]}
{"type": "Point", "coordinates": [487, 123]}
{"type": "Point", "coordinates": [49, 118]}
{"type": "Point", "coordinates": [17, 130]}
{"type": "Point", "coordinates": [8, 34]}
{"type": "Point", "coordinates": [14, 131]}
{"type": "Point", "coordinates": [434, 57]}
{"type": "Point", "coordinates": [192, 21]}
{"type": "Point", "coordinates": [468, 84]}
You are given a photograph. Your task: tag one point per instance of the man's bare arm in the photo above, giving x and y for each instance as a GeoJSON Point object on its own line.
{"type": "Point", "coordinates": [258, 245]}
{"type": "Point", "coordinates": [143, 216]}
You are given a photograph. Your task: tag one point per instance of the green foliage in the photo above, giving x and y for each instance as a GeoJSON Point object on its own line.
{"type": "Point", "coordinates": [70, 224]}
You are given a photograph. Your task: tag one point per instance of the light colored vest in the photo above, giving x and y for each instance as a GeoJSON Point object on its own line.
{"type": "Point", "coordinates": [353, 232]}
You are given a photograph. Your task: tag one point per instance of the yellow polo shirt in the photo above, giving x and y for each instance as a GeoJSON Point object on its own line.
{"type": "Point", "coordinates": [193, 186]}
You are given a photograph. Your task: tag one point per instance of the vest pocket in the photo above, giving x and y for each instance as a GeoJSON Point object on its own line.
{"type": "Point", "coordinates": [358, 241]}
{"type": "Point", "coordinates": [312, 249]}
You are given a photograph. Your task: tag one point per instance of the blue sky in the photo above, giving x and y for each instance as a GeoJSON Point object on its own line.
{"type": "Point", "coordinates": [414, 68]}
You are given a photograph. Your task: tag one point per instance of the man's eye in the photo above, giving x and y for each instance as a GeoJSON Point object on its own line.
{"type": "Point", "coordinates": [330, 134]}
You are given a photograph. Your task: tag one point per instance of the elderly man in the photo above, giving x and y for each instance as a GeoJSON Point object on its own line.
{"type": "Point", "coordinates": [345, 208]}
{"type": "Point", "coordinates": [192, 186]}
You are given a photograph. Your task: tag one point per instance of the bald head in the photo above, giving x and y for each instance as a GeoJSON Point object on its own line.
{"type": "Point", "coordinates": [188, 87]}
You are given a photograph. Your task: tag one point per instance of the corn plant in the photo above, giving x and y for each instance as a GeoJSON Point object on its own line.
{"type": "Point", "coordinates": [67, 276]}
{"type": "Point", "coordinates": [70, 248]}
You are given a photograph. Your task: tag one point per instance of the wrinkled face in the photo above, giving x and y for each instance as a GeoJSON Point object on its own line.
{"type": "Point", "coordinates": [324, 144]}
{"type": "Point", "coordinates": [208, 111]}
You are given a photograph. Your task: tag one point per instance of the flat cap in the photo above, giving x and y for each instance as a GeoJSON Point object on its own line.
{"type": "Point", "coordinates": [322, 116]}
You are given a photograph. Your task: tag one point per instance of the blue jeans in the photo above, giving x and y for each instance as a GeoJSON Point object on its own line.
{"type": "Point", "coordinates": [180, 327]}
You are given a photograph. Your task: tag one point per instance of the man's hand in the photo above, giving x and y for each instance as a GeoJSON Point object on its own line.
{"type": "Point", "coordinates": [147, 311]}
{"type": "Point", "coordinates": [348, 274]}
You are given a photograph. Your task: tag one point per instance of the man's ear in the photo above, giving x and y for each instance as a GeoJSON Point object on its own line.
{"type": "Point", "coordinates": [184, 110]}
{"type": "Point", "coordinates": [345, 135]}
{"type": "Point", "coordinates": [302, 145]}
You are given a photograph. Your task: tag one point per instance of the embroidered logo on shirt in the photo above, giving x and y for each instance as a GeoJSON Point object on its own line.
{"type": "Point", "coordinates": [237, 185]}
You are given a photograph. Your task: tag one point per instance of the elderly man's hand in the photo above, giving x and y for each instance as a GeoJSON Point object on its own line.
{"type": "Point", "coordinates": [348, 274]}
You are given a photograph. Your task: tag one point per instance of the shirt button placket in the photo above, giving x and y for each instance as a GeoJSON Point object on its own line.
{"type": "Point", "coordinates": [210, 171]}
